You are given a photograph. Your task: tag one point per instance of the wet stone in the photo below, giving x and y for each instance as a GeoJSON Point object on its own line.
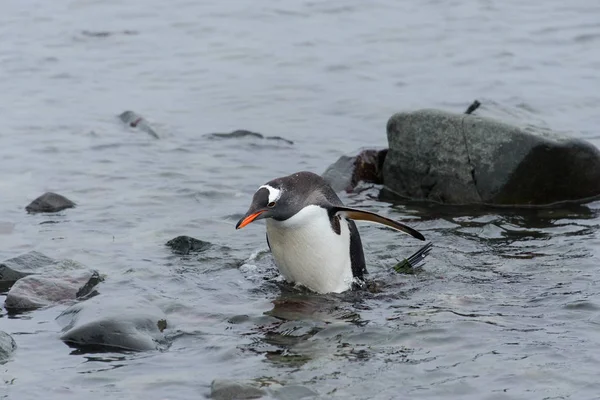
{"type": "Point", "coordinates": [187, 244]}
{"type": "Point", "coordinates": [35, 291]}
{"type": "Point", "coordinates": [347, 171]}
{"type": "Point", "coordinates": [242, 133]}
{"type": "Point", "coordinates": [105, 34]}
{"type": "Point", "coordinates": [107, 323]}
{"type": "Point", "coordinates": [48, 203]}
{"type": "Point", "coordinates": [293, 392]}
{"type": "Point", "coordinates": [225, 389]}
{"type": "Point", "coordinates": [467, 159]}
{"type": "Point", "coordinates": [7, 346]}
{"type": "Point", "coordinates": [135, 120]}
{"type": "Point", "coordinates": [13, 269]}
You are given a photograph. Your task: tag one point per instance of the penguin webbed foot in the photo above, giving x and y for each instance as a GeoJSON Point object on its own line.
{"type": "Point", "coordinates": [408, 265]}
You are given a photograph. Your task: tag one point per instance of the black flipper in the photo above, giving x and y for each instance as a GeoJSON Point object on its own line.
{"type": "Point", "coordinates": [361, 215]}
{"type": "Point", "coordinates": [357, 257]}
{"type": "Point", "coordinates": [268, 244]}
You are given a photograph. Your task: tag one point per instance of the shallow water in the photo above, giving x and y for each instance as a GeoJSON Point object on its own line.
{"type": "Point", "coordinates": [507, 305]}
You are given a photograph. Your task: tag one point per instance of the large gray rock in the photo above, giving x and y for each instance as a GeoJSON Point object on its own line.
{"type": "Point", "coordinates": [34, 280]}
{"type": "Point", "coordinates": [35, 291]}
{"type": "Point", "coordinates": [109, 323]}
{"type": "Point", "coordinates": [48, 203]}
{"type": "Point", "coordinates": [348, 171]}
{"type": "Point", "coordinates": [7, 346]}
{"type": "Point", "coordinates": [13, 269]}
{"type": "Point", "coordinates": [463, 159]}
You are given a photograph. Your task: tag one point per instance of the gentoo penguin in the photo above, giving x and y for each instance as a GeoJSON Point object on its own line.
{"type": "Point", "coordinates": [311, 234]}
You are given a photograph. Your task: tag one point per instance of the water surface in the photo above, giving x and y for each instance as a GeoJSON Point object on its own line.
{"type": "Point", "coordinates": [507, 306]}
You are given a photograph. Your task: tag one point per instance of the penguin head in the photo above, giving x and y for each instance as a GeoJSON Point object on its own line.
{"type": "Point", "coordinates": [283, 197]}
{"type": "Point", "coordinates": [271, 200]}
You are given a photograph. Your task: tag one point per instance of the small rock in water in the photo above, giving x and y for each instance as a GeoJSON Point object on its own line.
{"type": "Point", "coordinates": [35, 291]}
{"type": "Point", "coordinates": [49, 202]}
{"type": "Point", "coordinates": [279, 138]}
{"type": "Point", "coordinates": [225, 389]}
{"type": "Point", "coordinates": [187, 244]}
{"type": "Point", "coordinates": [13, 269]}
{"type": "Point", "coordinates": [7, 346]}
{"type": "Point", "coordinates": [466, 159]}
{"type": "Point", "coordinates": [242, 133]}
{"type": "Point", "coordinates": [347, 171]}
{"type": "Point", "coordinates": [6, 228]}
{"type": "Point", "coordinates": [474, 106]}
{"type": "Point", "coordinates": [137, 121]}
{"type": "Point", "coordinates": [294, 392]}
{"type": "Point", "coordinates": [104, 34]}
{"type": "Point", "coordinates": [108, 323]}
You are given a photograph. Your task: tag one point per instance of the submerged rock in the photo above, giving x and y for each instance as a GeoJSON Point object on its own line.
{"type": "Point", "coordinates": [187, 244]}
{"type": "Point", "coordinates": [348, 171]}
{"type": "Point", "coordinates": [34, 280]}
{"type": "Point", "coordinates": [241, 133]}
{"type": "Point", "coordinates": [13, 269]}
{"type": "Point", "coordinates": [225, 389]}
{"type": "Point", "coordinates": [137, 121]}
{"type": "Point", "coordinates": [49, 202]}
{"type": "Point", "coordinates": [465, 159]}
{"type": "Point", "coordinates": [7, 346]}
{"type": "Point", "coordinates": [109, 323]}
{"type": "Point", "coordinates": [35, 291]}
{"type": "Point", "coordinates": [294, 392]}
{"type": "Point", "coordinates": [105, 34]}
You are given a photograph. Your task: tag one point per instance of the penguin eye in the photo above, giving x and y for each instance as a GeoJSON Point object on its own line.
{"type": "Point", "coordinates": [271, 204]}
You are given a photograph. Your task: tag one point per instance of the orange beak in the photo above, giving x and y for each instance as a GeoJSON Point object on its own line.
{"type": "Point", "coordinates": [246, 220]}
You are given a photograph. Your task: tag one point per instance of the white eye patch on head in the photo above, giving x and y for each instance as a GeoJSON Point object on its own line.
{"type": "Point", "coordinates": [274, 194]}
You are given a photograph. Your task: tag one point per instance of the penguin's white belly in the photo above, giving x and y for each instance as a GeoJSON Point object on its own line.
{"type": "Point", "coordinates": [308, 252]}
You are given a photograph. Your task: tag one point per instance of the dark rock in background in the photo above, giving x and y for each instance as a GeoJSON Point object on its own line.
{"type": "Point", "coordinates": [241, 133]}
{"type": "Point", "coordinates": [7, 346]}
{"type": "Point", "coordinates": [187, 244]}
{"type": "Point", "coordinates": [134, 120]}
{"type": "Point", "coordinates": [105, 34]}
{"type": "Point", "coordinates": [109, 323]}
{"type": "Point", "coordinates": [465, 159]}
{"type": "Point", "coordinates": [49, 202]}
{"type": "Point", "coordinates": [348, 171]}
